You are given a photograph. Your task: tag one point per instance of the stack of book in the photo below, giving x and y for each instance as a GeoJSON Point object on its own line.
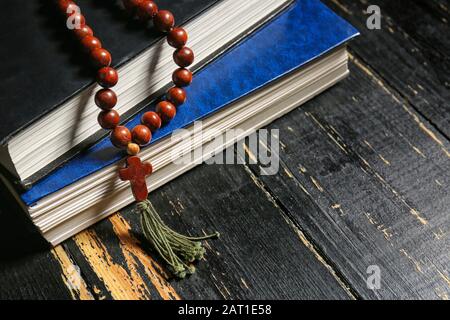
{"type": "Point", "coordinates": [256, 60]}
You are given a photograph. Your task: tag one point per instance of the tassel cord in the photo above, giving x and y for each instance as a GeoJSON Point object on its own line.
{"type": "Point", "coordinates": [207, 237]}
{"type": "Point", "coordinates": [150, 234]}
{"type": "Point", "coordinates": [175, 249]}
{"type": "Point", "coordinates": [176, 234]}
{"type": "Point", "coordinates": [163, 246]}
{"type": "Point", "coordinates": [165, 251]}
{"type": "Point", "coordinates": [184, 248]}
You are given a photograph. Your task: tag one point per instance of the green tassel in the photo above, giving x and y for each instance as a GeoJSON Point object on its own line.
{"type": "Point", "coordinates": [177, 250]}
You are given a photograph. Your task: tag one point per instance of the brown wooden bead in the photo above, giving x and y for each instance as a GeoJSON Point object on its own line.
{"type": "Point", "coordinates": [182, 77]}
{"type": "Point", "coordinates": [63, 4]}
{"type": "Point", "coordinates": [107, 77]}
{"type": "Point", "coordinates": [166, 111]}
{"type": "Point", "coordinates": [90, 43]}
{"type": "Point", "coordinates": [176, 95]}
{"type": "Point", "coordinates": [121, 137]}
{"type": "Point", "coordinates": [183, 57]}
{"type": "Point", "coordinates": [164, 20]}
{"type": "Point", "coordinates": [108, 119]}
{"type": "Point", "coordinates": [78, 19]}
{"type": "Point", "coordinates": [66, 6]}
{"type": "Point", "coordinates": [133, 149]}
{"type": "Point", "coordinates": [71, 9]}
{"type": "Point", "coordinates": [101, 57]}
{"type": "Point", "coordinates": [83, 32]}
{"type": "Point", "coordinates": [105, 99]}
{"type": "Point", "coordinates": [147, 10]}
{"type": "Point", "coordinates": [141, 134]}
{"type": "Point", "coordinates": [177, 38]}
{"type": "Point", "coordinates": [151, 120]}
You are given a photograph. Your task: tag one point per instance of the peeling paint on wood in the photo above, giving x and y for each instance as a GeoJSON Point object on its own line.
{"type": "Point", "coordinates": [71, 275]}
{"type": "Point", "coordinates": [132, 250]}
{"type": "Point", "coordinates": [121, 283]}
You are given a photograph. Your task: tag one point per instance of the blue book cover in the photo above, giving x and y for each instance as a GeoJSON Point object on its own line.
{"type": "Point", "coordinates": [304, 32]}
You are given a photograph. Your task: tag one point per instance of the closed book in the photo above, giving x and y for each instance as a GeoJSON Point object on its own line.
{"type": "Point", "coordinates": [47, 88]}
{"type": "Point", "coordinates": [262, 78]}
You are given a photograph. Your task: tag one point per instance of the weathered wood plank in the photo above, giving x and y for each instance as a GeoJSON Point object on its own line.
{"type": "Point", "coordinates": [71, 275]}
{"type": "Point", "coordinates": [35, 276]}
{"type": "Point", "coordinates": [116, 266]}
{"type": "Point", "coordinates": [260, 255]}
{"type": "Point", "coordinates": [439, 8]}
{"type": "Point", "coordinates": [430, 24]}
{"type": "Point", "coordinates": [367, 179]}
{"type": "Point", "coordinates": [410, 52]}
{"type": "Point", "coordinates": [28, 269]}
{"type": "Point", "coordinates": [364, 179]}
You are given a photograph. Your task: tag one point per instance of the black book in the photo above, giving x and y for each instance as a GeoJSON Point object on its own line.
{"type": "Point", "coordinates": [46, 93]}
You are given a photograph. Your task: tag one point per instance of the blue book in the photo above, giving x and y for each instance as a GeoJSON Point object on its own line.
{"type": "Point", "coordinates": [60, 111]}
{"type": "Point", "coordinates": [296, 56]}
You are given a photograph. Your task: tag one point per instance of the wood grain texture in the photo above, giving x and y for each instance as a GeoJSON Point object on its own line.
{"type": "Point", "coordinates": [28, 270]}
{"type": "Point", "coordinates": [363, 180]}
{"type": "Point", "coordinates": [410, 52]}
{"type": "Point", "coordinates": [71, 275]}
{"type": "Point", "coordinates": [260, 255]}
{"type": "Point", "coordinates": [33, 276]}
{"type": "Point", "coordinates": [133, 276]}
{"type": "Point", "coordinates": [367, 178]}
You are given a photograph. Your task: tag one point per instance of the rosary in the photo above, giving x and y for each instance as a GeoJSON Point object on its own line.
{"type": "Point", "coordinates": [177, 250]}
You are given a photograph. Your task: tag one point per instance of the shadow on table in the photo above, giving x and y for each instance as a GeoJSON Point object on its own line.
{"type": "Point", "coordinates": [18, 235]}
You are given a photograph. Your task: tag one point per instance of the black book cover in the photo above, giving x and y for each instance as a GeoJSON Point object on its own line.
{"type": "Point", "coordinates": [42, 64]}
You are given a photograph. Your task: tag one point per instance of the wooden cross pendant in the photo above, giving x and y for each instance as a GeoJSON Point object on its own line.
{"type": "Point", "coordinates": [136, 172]}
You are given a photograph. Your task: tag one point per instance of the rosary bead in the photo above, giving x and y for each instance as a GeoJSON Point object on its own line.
{"type": "Point", "coordinates": [151, 120]}
{"type": "Point", "coordinates": [63, 4]}
{"type": "Point", "coordinates": [105, 99]}
{"type": "Point", "coordinates": [141, 134]}
{"type": "Point", "coordinates": [182, 77]}
{"type": "Point", "coordinates": [66, 6]}
{"type": "Point", "coordinates": [101, 57]}
{"type": "Point", "coordinates": [83, 32]}
{"type": "Point", "coordinates": [147, 10]}
{"type": "Point", "coordinates": [183, 57]}
{"type": "Point", "coordinates": [107, 77]}
{"type": "Point", "coordinates": [177, 38]}
{"type": "Point", "coordinates": [108, 119]}
{"type": "Point", "coordinates": [78, 19]}
{"type": "Point", "coordinates": [164, 21]}
{"type": "Point", "coordinates": [177, 96]}
{"type": "Point", "coordinates": [133, 149]}
{"type": "Point", "coordinates": [120, 137]}
{"type": "Point", "coordinates": [166, 110]}
{"type": "Point", "coordinates": [90, 43]}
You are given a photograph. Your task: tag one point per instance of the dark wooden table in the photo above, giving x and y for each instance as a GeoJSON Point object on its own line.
{"type": "Point", "coordinates": [364, 181]}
